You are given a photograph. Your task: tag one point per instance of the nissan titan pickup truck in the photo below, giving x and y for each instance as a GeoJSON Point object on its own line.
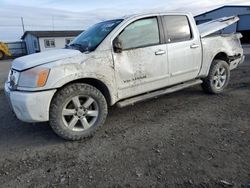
{"type": "Point", "coordinates": [121, 62]}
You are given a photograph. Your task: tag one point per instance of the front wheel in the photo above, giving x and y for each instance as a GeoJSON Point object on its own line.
{"type": "Point", "coordinates": [77, 111]}
{"type": "Point", "coordinates": [218, 77]}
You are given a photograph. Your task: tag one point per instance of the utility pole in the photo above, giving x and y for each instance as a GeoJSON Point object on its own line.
{"type": "Point", "coordinates": [22, 24]}
{"type": "Point", "coordinates": [53, 24]}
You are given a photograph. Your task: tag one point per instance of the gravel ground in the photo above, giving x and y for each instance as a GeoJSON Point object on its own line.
{"type": "Point", "coordinates": [185, 139]}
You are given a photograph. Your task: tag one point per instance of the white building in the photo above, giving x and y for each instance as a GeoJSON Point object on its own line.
{"type": "Point", "coordinates": [38, 41]}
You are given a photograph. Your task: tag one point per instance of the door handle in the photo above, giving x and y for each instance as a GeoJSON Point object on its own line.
{"type": "Point", "coordinates": [160, 52]}
{"type": "Point", "coordinates": [194, 46]}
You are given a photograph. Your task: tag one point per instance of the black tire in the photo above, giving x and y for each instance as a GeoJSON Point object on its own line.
{"type": "Point", "coordinates": [209, 83]}
{"type": "Point", "coordinates": [1, 55]}
{"type": "Point", "coordinates": [64, 97]}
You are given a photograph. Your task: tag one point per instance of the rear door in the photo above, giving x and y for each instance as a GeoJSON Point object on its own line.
{"type": "Point", "coordinates": [184, 48]}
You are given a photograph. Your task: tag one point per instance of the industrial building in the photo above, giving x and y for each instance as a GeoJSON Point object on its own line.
{"type": "Point", "coordinates": [243, 26]}
{"type": "Point", "coordinates": [38, 41]}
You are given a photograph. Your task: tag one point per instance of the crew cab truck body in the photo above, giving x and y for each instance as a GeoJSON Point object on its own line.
{"type": "Point", "coordinates": [121, 62]}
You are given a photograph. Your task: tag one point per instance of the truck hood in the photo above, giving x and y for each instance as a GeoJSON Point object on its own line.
{"type": "Point", "coordinates": [33, 60]}
{"type": "Point", "coordinates": [216, 25]}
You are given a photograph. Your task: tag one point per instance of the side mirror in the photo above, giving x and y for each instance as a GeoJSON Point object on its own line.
{"type": "Point", "coordinates": [117, 45]}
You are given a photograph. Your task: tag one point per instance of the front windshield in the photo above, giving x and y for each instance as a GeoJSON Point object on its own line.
{"type": "Point", "coordinates": [92, 37]}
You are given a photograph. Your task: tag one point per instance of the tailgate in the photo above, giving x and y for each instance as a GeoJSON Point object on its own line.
{"type": "Point", "coordinates": [216, 25]}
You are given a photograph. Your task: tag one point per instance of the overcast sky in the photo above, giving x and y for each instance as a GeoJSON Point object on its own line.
{"type": "Point", "coordinates": [80, 14]}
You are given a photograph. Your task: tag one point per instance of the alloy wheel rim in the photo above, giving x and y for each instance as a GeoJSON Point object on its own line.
{"type": "Point", "coordinates": [80, 113]}
{"type": "Point", "coordinates": [219, 78]}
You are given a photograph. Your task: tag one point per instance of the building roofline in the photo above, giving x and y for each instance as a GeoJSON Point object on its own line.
{"type": "Point", "coordinates": [225, 6]}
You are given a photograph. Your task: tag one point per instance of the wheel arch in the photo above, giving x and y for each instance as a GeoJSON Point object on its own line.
{"type": "Point", "coordinates": [221, 56]}
{"type": "Point", "coordinates": [101, 86]}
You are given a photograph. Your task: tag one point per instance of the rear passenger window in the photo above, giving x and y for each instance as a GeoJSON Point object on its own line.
{"type": "Point", "coordinates": [177, 28]}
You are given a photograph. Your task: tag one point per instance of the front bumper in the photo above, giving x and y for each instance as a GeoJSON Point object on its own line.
{"type": "Point", "coordinates": [30, 106]}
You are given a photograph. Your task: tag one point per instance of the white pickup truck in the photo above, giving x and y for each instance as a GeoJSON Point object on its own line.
{"type": "Point", "coordinates": [121, 61]}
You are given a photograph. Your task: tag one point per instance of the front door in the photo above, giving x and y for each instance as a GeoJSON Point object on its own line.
{"type": "Point", "coordinates": [142, 65]}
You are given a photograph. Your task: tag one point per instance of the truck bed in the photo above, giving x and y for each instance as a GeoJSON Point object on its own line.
{"type": "Point", "coordinates": [215, 43]}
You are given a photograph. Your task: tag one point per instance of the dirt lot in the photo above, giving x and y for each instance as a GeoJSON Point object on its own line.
{"type": "Point", "coordinates": [186, 139]}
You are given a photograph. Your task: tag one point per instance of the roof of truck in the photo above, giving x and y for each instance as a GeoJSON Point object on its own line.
{"type": "Point", "coordinates": [145, 14]}
{"type": "Point", "coordinates": [155, 13]}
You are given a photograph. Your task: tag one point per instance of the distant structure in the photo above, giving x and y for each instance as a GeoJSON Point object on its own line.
{"type": "Point", "coordinates": [243, 26]}
{"type": "Point", "coordinates": [38, 41]}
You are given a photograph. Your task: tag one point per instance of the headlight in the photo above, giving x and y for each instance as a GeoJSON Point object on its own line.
{"type": "Point", "coordinates": [13, 78]}
{"type": "Point", "coordinates": [33, 78]}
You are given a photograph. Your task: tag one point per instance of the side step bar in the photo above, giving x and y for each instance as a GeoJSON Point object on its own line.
{"type": "Point", "coordinates": [155, 94]}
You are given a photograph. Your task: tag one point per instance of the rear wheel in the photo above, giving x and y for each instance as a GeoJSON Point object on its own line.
{"type": "Point", "coordinates": [77, 111]}
{"type": "Point", "coordinates": [1, 55]}
{"type": "Point", "coordinates": [218, 77]}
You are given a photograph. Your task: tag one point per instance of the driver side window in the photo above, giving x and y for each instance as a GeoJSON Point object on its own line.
{"type": "Point", "coordinates": [141, 33]}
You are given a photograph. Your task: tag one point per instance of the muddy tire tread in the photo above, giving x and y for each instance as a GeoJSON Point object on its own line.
{"type": "Point", "coordinates": [59, 99]}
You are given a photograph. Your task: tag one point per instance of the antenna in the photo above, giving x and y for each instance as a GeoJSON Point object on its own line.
{"type": "Point", "coordinates": [22, 24]}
